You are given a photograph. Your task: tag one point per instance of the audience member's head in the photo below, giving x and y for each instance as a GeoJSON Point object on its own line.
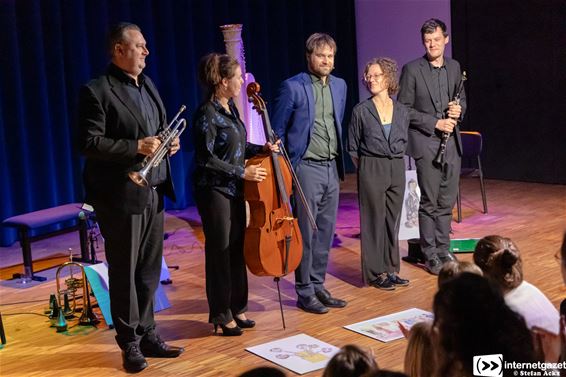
{"type": "Point", "coordinates": [384, 373]}
{"type": "Point", "coordinates": [454, 268]}
{"type": "Point", "coordinates": [419, 356]}
{"type": "Point", "coordinates": [500, 260]}
{"type": "Point", "coordinates": [471, 318]}
{"type": "Point", "coordinates": [350, 361]}
{"type": "Point", "coordinates": [263, 372]}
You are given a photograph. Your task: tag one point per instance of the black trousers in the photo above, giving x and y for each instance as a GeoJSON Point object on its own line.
{"type": "Point", "coordinates": [439, 188]}
{"type": "Point", "coordinates": [224, 223]}
{"type": "Point", "coordinates": [134, 249]}
{"type": "Point", "coordinates": [381, 185]}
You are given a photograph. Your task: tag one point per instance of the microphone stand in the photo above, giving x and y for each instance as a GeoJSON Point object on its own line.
{"type": "Point", "coordinates": [92, 239]}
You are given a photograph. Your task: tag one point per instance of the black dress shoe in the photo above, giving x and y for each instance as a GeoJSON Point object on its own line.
{"type": "Point", "coordinates": [132, 359]}
{"type": "Point", "coordinates": [155, 347]}
{"type": "Point", "coordinates": [433, 265]}
{"type": "Point", "coordinates": [447, 257]}
{"type": "Point", "coordinates": [311, 304]}
{"type": "Point", "coordinates": [228, 331]}
{"type": "Point", "coordinates": [244, 323]}
{"type": "Point", "coordinates": [327, 300]}
{"type": "Point", "coordinates": [397, 280]}
{"type": "Point", "coordinates": [383, 282]}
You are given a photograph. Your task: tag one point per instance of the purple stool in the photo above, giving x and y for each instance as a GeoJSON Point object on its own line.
{"type": "Point", "coordinates": [38, 219]}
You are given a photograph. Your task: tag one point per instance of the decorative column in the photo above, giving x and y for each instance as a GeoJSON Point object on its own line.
{"type": "Point", "coordinates": [235, 48]}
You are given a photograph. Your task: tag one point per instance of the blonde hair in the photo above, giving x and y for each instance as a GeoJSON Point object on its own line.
{"type": "Point", "coordinates": [420, 351]}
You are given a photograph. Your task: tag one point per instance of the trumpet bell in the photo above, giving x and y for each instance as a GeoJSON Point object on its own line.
{"type": "Point", "coordinates": [88, 317]}
{"type": "Point", "coordinates": [138, 178]}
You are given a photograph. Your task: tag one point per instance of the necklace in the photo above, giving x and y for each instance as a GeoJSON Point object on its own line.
{"type": "Point", "coordinates": [385, 111]}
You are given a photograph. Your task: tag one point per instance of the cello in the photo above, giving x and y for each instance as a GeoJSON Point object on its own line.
{"type": "Point", "coordinates": [273, 244]}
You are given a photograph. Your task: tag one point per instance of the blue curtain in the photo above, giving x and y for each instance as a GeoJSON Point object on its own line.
{"type": "Point", "coordinates": [52, 47]}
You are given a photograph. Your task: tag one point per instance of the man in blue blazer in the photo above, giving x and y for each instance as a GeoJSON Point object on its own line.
{"type": "Point", "coordinates": [428, 86]}
{"type": "Point", "coordinates": [307, 117]}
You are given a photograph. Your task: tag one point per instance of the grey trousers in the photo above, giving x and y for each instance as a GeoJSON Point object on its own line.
{"type": "Point", "coordinates": [439, 187]}
{"type": "Point", "coordinates": [381, 185]}
{"type": "Point", "coordinates": [320, 183]}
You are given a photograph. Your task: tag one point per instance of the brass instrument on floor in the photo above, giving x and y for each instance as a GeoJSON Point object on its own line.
{"type": "Point", "coordinates": [174, 129]}
{"type": "Point", "coordinates": [73, 284]}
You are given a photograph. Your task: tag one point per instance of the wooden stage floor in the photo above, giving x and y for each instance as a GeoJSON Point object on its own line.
{"type": "Point", "coordinates": [533, 215]}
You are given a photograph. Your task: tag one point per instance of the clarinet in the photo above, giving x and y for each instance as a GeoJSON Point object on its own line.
{"type": "Point", "coordinates": [440, 156]}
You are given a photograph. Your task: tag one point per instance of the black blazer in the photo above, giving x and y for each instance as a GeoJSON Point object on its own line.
{"type": "Point", "coordinates": [366, 136]}
{"type": "Point", "coordinates": [415, 93]}
{"type": "Point", "coordinates": [110, 125]}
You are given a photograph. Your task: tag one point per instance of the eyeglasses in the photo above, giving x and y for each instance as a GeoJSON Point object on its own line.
{"type": "Point", "coordinates": [377, 77]}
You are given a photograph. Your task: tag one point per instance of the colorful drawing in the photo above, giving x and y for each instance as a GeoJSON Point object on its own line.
{"type": "Point", "coordinates": [386, 328]}
{"type": "Point", "coordinates": [409, 227]}
{"type": "Point", "coordinates": [309, 352]}
{"type": "Point", "coordinates": [300, 353]}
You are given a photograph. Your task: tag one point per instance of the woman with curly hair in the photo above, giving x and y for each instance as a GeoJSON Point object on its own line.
{"type": "Point", "coordinates": [377, 139]}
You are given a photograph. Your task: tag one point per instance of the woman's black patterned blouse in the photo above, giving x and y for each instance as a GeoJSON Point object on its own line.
{"type": "Point", "coordinates": [220, 149]}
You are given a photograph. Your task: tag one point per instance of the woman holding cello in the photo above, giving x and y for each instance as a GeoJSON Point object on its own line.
{"type": "Point", "coordinates": [220, 150]}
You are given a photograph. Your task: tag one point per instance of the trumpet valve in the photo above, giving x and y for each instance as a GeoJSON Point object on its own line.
{"type": "Point", "coordinates": [73, 284]}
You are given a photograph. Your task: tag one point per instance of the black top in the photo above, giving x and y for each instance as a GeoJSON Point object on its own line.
{"type": "Point", "coordinates": [366, 135]}
{"type": "Point", "coordinates": [439, 78]}
{"type": "Point", "coordinates": [110, 124]}
{"type": "Point", "coordinates": [138, 93]}
{"type": "Point", "coordinates": [220, 149]}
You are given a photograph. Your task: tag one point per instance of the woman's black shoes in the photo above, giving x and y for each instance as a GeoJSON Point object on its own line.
{"type": "Point", "coordinates": [244, 323]}
{"type": "Point", "coordinates": [228, 331]}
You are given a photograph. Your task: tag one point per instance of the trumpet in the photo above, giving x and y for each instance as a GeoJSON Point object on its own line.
{"type": "Point", "coordinates": [174, 129]}
{"type": "Point", "coordinates": [73, 284]}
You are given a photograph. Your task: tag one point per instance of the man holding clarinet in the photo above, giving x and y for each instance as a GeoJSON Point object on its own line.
{"type": "Point", "coordinates": [431, 86]}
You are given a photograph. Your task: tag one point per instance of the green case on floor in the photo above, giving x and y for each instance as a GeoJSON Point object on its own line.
{"type": "Point", "coordinates": [463, 245]}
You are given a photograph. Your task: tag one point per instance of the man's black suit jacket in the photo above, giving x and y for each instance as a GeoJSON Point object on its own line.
{"type": "Point", "coordinates": [415, 92]}
{"type": "Point", "coordinates": [110, 124]}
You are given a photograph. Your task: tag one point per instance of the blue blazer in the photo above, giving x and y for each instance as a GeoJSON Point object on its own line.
{"type": "Point", "coordinates": [294, 112]}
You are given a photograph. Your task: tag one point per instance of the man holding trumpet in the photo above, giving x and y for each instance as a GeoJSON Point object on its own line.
{"type": "Point", "coordinates": [428, 86]}
{"type": "Point", "coordinates": [120, 116]}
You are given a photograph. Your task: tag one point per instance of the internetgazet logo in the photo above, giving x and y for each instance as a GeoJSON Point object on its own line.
{"type": "Point", "coordinates": [488, 365]}
{"type": "Point", "coordinates": [493, 366]}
